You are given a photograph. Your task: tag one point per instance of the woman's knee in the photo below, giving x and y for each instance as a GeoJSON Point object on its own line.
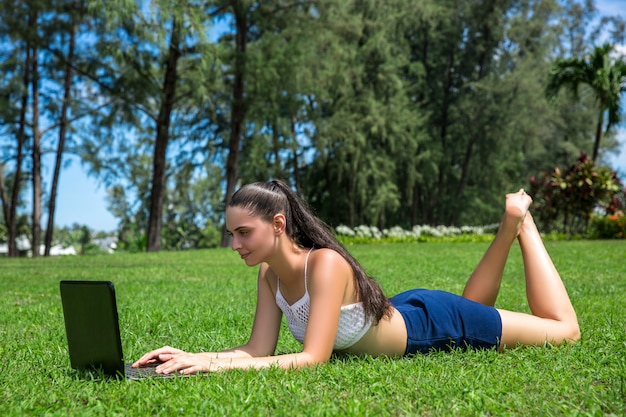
{"type": "Point", "coordinates": [524, 329]}
{"type": "Point", "coordinates": [573, 330]}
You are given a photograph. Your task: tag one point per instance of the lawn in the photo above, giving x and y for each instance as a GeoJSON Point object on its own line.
{"type": "Point", "coordinates": [204, 300]}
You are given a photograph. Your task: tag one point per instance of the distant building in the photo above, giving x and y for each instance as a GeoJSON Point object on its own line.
{"type": "Point", "coordinates": [24, 248]}
{"type": "Point", "coordinates": [108, 243]}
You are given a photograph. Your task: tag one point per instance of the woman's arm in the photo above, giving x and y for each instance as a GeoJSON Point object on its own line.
{"type": "Point", "coordinates": [330, 284]}
{"type": "Point", "coordinates": [191, 363]}
{"type": "Point", "coordinates": [263, 338]}
{"type": "Point", "coordinates": [328, 280]}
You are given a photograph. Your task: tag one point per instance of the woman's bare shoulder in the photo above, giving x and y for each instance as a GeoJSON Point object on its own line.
{"type": "Point", "coordinates": [324, 255]}
{"type": "Point", "coordinates": [329, 269]}
{"type": "Point", "coordinates": [327, 260]}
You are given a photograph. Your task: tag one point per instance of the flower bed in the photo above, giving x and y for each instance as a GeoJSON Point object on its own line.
{"type": "Point", "coordinates": [372, 234]}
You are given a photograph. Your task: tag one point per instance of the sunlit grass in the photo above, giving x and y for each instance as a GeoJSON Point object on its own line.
{"type": "Point", "coordinates": [204, 300]}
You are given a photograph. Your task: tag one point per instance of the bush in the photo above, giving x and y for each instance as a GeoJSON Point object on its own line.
{"type": "Point", "coordinates": [608, 227]}
{"type": "Point", "coordinates": [565, 200]}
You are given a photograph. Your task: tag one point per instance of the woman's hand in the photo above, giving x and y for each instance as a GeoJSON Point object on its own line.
{"type": "Point", "coordinates": [175, 360]}
{"type": "Point", "coordinates": [190, 363]}
{"type": "Point", "coordinates": [163, 354]}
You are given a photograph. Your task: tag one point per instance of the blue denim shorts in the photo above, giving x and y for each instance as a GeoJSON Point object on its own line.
{"type": "Point", "coordinates": [442, 321]}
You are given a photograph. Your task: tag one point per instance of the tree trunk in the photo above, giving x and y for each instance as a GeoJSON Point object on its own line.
{"type": "Point", "coordinates": [596, 144]}
{"type": "Point", "coordinates": [37, 189]}
{"type": "Point", "coordinates": [21, 138]}
{"type": "Point", "coordinates": [443, 165]}
{"type": "Point", "coordinates": [4, 196]}
{"type": "Point", "coordinates": [238, 112]}
{"type": "Point", "coordinates": [414, 204]}
{"type": "Point", "coordinates": [162, 138]}
{"type": "Point", "coordinates": [294, 153]}
{"type": "Point", "coordinates": [469, 150]}
{"type": "Point", "coordinates": [67, 84]}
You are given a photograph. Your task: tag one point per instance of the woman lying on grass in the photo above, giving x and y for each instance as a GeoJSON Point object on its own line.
{"type": "Point", "coordinates": [332, 305]}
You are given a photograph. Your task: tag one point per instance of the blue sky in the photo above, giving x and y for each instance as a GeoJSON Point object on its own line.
{"type": "Point", "coordinates": [82, 200]}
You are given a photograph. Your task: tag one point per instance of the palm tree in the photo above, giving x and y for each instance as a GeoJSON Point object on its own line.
{"type": "Point", "coordinates": [607, 81]}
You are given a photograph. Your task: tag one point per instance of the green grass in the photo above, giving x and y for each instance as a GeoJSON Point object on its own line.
{"type": "Point", "coordinates": [204, 300]}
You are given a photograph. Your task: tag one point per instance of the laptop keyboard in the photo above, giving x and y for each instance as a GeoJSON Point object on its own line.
{"type": "Point", "coordinates": [146, 371]}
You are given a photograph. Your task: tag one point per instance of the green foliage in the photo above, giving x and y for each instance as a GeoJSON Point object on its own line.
{"type": "Point", "coordinates": [133, 239]}
{"type": "Point", "coordinates": [565, 200]}
{"type": "Point", "coordinates": [381, 112]}
{"type": "Point", "coordinates": [608, 227]}
{"type": "Point", "coordinates": [603, 74]}
{"type": "Point", "coordinates": [210, 236]}
{"type": "Point", "coordinates": [205, 300]}
{"type": "Point", "coordinates": [366, 132]}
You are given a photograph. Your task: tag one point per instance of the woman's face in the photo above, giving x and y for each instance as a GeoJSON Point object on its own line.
{"type": "Point", "coordinates": [252, 237]}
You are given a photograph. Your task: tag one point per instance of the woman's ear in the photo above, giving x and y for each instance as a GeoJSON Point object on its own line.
{"type": "Point", "coordinates": [279, 223]}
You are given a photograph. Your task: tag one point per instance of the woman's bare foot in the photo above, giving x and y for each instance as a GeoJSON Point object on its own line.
{"type": "Point", "coordinates": [516, 210]}
{"type": "Point", "coordinates": [484, 283]}
{"type": "Point", "coordinates": [528, 226]}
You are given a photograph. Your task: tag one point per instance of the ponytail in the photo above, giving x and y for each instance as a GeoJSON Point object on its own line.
{"type": "Point", "coordinates": [266, 199]}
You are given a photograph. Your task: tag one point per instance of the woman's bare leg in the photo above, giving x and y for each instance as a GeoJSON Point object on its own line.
{"type": "Point", "coordinates": [553, 317]}
{"type": "Point", "coordinates": [484, 283]}
{"type": "Point", "coordinates": [547, 296]}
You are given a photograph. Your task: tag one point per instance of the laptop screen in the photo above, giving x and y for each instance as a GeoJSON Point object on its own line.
{"type": "Point", "coordinates": [91, 326]}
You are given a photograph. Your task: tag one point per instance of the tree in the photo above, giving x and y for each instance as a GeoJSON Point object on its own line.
{"type": "Point", "coordinates": [240, 11]}
{"type": "Point", "coordinates": [45, 25]}
{"type": "Point", "coordinates": [605, 77]}
{"type": "Point", "coordinates": [382, 112]}
{"type": "Point", "coordinates": [279, 81]}
{"type": "Point", "coordinates": [63, 123]}
{"type": "Point", "coordinates": [253, 21]}
{"type": "Point", "coordinates": [162, 136]}
{"type": "Point", "coordinates": [360, 108]}
{"type": "Point", "coordinates": [150, 59]}
{"type": "Point", "coordinates": [17, 28]}
{"type": "Point", "coordinates": [36, 144]}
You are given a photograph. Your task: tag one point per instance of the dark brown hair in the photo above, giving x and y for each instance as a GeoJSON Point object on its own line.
{"type": "Point", "coordinates": [266, 199]}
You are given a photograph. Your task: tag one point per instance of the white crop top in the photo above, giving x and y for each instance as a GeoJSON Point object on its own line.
{"type": "Point", "coordinates": [352, 322]}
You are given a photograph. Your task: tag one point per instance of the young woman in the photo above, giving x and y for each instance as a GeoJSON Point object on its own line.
{"type": "Point", "coordinates": [332, 305]}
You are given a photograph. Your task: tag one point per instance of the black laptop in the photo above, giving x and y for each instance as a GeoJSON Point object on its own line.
{"type": "Point", "coordinates": [93, 331]}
